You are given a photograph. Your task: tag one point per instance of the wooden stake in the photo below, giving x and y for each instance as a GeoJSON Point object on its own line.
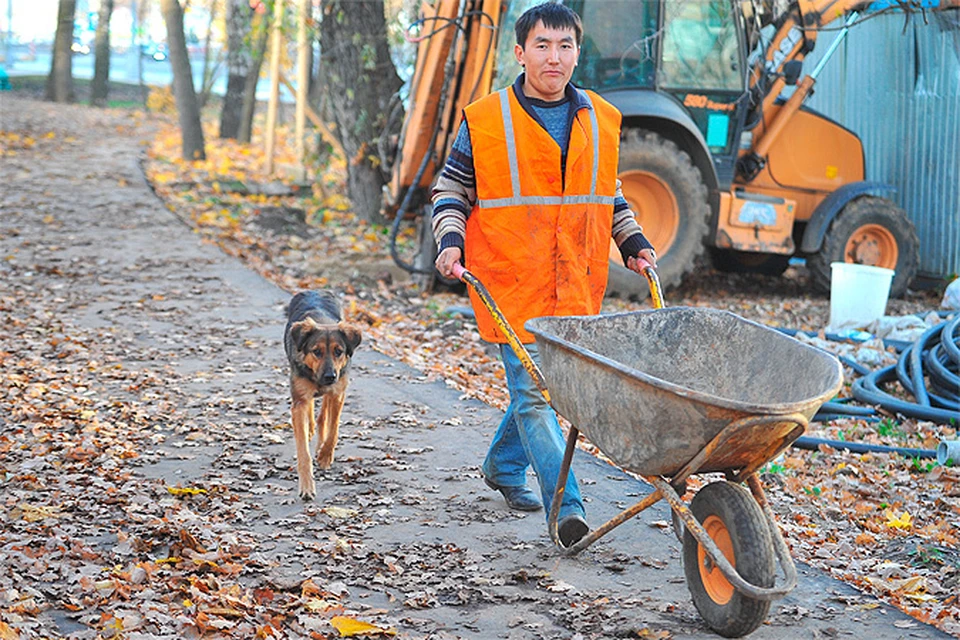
{"type": "Point", "coordinates": [317, 122]}
{"type": "Point", "coordinates": [302, 83]}
{"type": "Point", "coordinates": [270, 134]}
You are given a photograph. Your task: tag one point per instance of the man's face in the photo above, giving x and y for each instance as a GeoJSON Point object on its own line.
{"type": "Point", "coordinates": [549, 57]}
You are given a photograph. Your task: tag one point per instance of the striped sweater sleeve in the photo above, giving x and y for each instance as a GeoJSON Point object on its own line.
{"type": "Point", "coordinates": [454, 193]}
{"type": "Point", "coordinates": [626, 231]}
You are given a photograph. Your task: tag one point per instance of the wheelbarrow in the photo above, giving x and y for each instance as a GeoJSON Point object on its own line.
{"type": "Point", "coordinates": [679, 391]}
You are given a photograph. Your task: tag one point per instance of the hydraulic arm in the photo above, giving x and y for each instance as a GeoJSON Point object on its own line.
{"type": "Point", "coordinates": [796, 36]}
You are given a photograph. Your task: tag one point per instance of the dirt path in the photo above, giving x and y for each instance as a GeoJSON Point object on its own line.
{"type": "Point", "coordinates": [148, 482]}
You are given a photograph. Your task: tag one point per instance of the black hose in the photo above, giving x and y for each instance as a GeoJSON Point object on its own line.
{"type": "Point", "coordinates": [938, 402]}
{"type": "Point", "coordinates": [839, 407]}
{"type": "Point", "coordinates": [910, 374]}
{"type": "Point", "coordinates": [427, 157]}
{"type": "Point", "coordinates": [940, 374]}
{"type": "Point", "coordinates": [952, 344]}
{"type": "Point", "coordinates": [813, 444]}
{"type": "Point", "coordinates": [906, 381]}
{"type": "Point", "coordinates": [867, 389]}
{"type": "Point", "coordinates": [915, 365]}
{"type": "Point", "coordinates": [431, 148]}
{"type": "Point", "coordinates": [830, 410]}
{"type": "Point", "coordinates": [853, 364]}
{"type": "Point", "coordinates": [830, 417]}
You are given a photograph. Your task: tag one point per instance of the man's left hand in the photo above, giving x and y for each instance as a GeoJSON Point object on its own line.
{"type": "Point", "coordinates": [647, 254]}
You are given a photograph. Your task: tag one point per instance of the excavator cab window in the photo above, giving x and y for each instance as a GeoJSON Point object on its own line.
{"type": "Point", "coordinates": [702, 65]}
{"type": "Point", "coordinates": [506, 68]}
{"type": "Point", "coordinates": [619, 43]}
{"type": "Point", "coordinates": [619, 47]}
{"type": "Point", "coordinates": [701, 47]}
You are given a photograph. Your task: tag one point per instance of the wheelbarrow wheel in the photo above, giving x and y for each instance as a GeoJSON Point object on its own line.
{"type": "Point", "coordinates": [736, 523]}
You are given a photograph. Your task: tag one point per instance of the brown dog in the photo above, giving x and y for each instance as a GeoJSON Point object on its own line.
{"type": "Point", "coordinates": [319, 346]}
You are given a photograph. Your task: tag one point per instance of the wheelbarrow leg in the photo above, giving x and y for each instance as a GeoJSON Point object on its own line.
{"type": "Point", "coordinates": [560, 488]}
{"type": "Point", "coordinates": [603, 529]}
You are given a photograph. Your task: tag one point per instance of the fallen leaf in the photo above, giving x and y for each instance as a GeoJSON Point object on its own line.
{"type": "Point", "coordinates": [225, 612]}
{"type": "Point", "coordinates": [349, 627]}
{"type": "Point", "coordinates": [340, 512]}
{"type": "Point", "coordinates": [185, 491]}
{"type": "Point", "coordinates": [31, 513]}
{"type": "Point", "coordinates": [318, 605]}
{"type": "Point", "coordinates": [902, 521]}
{"type": "Point", "coordinates": [7, 632]}
{"type": "Point", "coordinates": [647, 634]}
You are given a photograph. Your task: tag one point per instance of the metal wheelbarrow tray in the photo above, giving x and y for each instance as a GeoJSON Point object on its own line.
{"type": "Point", "coordinates": [677, 391]}
{"type": "Point", "coordinates": [651, 389]}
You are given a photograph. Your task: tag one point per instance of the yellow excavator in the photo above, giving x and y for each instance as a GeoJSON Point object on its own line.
{"type": "Point", "coordinates": [719, 154]}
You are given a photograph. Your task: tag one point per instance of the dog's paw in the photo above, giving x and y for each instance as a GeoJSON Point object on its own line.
{"type": "Point", "coordinates": [325, 457]}
{"type": "Point", "coordinates": [308, 491]}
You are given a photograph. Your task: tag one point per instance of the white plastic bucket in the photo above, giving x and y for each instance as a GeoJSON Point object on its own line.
{"type": "Point", "coordinates": [858, 294]}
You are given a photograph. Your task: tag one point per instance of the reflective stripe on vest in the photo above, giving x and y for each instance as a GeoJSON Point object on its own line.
{"type": "Point", "coordinates": [520, 200]}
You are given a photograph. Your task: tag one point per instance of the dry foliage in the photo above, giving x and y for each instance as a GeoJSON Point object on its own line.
{"type": "Point", "coordinates": [881, 522]}
{"type": "Point", "coordinates": [887, 524]}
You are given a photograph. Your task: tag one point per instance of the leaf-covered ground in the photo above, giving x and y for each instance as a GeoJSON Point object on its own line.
{"type": "Point", "coordinates": [889, 525]}
{"type": "Point", "coordinates": [88, 404]}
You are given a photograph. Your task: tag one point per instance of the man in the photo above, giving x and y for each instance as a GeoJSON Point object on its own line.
{"type": "Point", "coordinates": [530, 198]}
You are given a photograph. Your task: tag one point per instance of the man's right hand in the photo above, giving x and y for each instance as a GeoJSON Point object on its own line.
{"type": "Point", "coordinates": [446, 261]}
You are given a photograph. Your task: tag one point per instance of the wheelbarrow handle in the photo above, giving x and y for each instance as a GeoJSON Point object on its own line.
{"type": "Point", "coordinates": [504, 326]}
{"type": "Point", "coordinates": [656, 291]}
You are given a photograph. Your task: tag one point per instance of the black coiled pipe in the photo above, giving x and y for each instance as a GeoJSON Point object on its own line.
{"type": "Point", "coordinates": [927, 369]}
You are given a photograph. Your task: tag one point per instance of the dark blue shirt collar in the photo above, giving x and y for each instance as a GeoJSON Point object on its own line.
{"type": "Point", "coordinates": [578, 99]}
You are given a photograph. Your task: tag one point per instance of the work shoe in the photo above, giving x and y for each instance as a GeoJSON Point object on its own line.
{"type": "Point", "coordinates": [519, 498]}
{"type": "Point", "coordinates": [571, 530]}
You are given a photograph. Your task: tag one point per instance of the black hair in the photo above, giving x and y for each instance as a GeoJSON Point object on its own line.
{"type": "Point", "coordinates": [553, 16]}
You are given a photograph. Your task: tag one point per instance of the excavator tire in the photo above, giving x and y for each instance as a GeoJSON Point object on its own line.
{"type": "Point", "coordinates": [669, 197]}
{"type": "Point", "coordinates": [871, 231]}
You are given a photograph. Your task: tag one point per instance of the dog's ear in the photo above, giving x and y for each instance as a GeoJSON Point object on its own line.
{"type": "Point", "coordinates": [351, 336]}
{"type": "Point", "coordinates": [300, 331]}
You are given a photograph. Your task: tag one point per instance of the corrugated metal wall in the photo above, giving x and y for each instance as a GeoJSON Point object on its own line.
{"type": "Point", "coordinates": [900, 91]}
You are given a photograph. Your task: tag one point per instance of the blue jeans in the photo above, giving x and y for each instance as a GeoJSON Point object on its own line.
{"type": "Point", "coordinates": [529, 434]}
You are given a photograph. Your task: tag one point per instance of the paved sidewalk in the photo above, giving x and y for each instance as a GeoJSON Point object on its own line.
{"type": "Point", "coordinates": [416, 541]}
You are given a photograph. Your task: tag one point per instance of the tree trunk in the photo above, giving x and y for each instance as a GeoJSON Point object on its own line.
{"type": "Point", "coordinates": [60, 80]}
{"type": "Point", "coordinates": [239, 61]}
{"type": "Point", "coordinates": [188, 109]}
{"type": "Point", "coordinates": [100, 86]}
{"type": "Point", "coordinates": [359, 79]}
{"type": "Point", "coordinates": [259, 38]}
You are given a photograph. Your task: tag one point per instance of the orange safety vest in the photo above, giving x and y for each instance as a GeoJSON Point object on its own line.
{"type": "Point", "coordinates": [540, 244]}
